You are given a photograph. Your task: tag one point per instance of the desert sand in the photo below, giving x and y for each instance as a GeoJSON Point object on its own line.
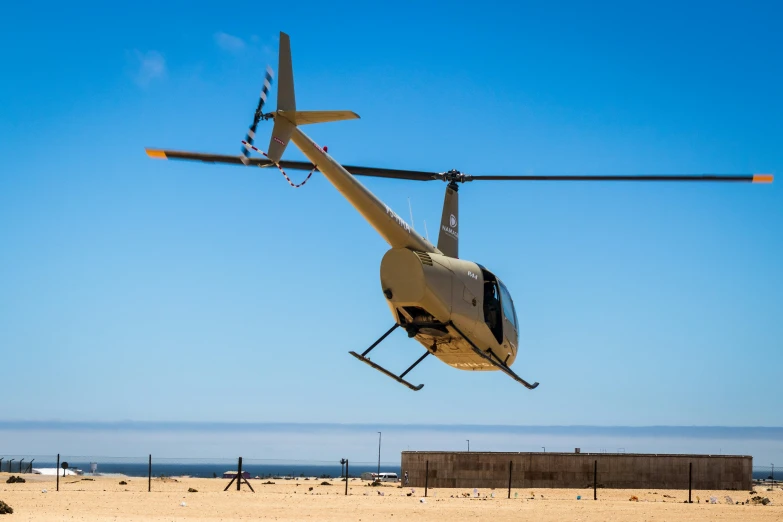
{"type": "Point", "coordinates": [103, 498]}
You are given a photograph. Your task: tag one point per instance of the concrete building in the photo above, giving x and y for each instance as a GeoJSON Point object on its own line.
{"type": "Point", "coordinates": [575, 470]}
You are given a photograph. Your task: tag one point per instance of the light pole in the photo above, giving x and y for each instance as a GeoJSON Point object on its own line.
{"type": "Point", "coordinates": [468, 444]}
{"type": "Point", "coordinates": [379, 455]}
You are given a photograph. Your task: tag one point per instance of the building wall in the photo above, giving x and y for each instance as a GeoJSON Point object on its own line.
{"type": "Point", "coordinates": [575, 470]}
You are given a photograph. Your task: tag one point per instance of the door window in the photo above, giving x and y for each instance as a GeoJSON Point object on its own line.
{"type": "Point", "coordinates": [508, 305]}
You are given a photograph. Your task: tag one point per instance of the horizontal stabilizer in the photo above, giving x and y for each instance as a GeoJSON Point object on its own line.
{"type": "Point", "coordinates": [308, 117]}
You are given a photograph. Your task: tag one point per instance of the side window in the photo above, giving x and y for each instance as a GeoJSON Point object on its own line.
{"type": "Point", "coordinates": [508, 306]}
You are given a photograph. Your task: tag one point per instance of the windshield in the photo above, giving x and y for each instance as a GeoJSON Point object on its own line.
{"type": "Point", "coordinates": [508, 305]}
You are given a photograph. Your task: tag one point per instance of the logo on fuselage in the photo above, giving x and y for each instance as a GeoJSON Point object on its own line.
{"type": "Point", "coordinates": [471, 274]}
{"type": "Point", "coordinates": [452, 228]}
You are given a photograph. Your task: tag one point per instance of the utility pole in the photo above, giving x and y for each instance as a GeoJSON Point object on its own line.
{"type": "Point", "coordinates": [468, 445]}
{"type": "Point", "coordinates": [379, 455]}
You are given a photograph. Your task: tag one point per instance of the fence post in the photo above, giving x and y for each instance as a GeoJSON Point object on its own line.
{"type": "Point", "coordinates": [149, 475]}
{"type": "Point", "coordinates": [57, 472]}
{"type": "Point", "coordinates": [239, 474]}
{"type": "Point", "coordinates": [595, 480]}
{"type": "Point", "coordinates": [690, 481]}
{"type": "Point", "coordinates": [426, 477]}
{"type": "Point", "coordinates": [510, 467]}
{"type": "Point", "coordinates": [346, 477]}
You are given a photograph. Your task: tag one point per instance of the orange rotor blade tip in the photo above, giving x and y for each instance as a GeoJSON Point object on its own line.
{"type": "Point", "coordinates": [154, 153]}
{"type": "Point", "coordinates": [762, 178]}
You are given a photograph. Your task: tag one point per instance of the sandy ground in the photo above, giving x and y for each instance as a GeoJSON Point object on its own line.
{"type": "Point", "coordinates": [103, 498]}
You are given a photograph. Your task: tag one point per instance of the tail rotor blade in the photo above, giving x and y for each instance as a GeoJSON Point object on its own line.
{"type": "Point", "coordinates": [251, 133]}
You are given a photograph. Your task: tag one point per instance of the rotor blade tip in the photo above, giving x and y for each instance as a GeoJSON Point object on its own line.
{"type": "Point", "coordinates": [763, 178]}
{"type": "Point", "coordinates": [155, 153]}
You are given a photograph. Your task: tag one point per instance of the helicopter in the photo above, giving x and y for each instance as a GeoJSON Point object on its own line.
{"type": "Point", "coordinates": [459, 310]}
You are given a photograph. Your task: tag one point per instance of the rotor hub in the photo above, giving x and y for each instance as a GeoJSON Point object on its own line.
{"type": "Point", "coordinates": [455, 176]}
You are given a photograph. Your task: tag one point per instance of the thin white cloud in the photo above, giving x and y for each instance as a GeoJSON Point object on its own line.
{"type": "Point", "coordinates": [148, 67]}
{"type": "Point", "coordinates": [229, 43]}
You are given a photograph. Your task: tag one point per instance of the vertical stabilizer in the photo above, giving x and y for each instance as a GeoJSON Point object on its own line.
{"type": "Point", "coordinates": [448, 239]}
{"type": "Point", "coordinates": [286, 100]}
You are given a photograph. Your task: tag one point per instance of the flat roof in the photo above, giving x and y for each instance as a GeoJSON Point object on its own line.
{"type": "Point", "coordinates": [558, 454]}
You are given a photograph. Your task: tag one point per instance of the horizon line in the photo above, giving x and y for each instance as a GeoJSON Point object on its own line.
{"type": "Point", "coordinates": [163, 424]}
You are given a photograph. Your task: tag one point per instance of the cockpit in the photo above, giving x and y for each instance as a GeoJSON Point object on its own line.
{"type": "Point", "coordinates": [497, 306]}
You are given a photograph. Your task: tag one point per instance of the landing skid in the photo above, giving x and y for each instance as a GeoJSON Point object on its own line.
{"type": "Point", "coordinates": [494, 360]}
{"type": "Point", "coordinates": [398, 378]}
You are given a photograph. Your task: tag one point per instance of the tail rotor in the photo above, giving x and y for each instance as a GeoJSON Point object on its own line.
{"type": "Point", "coordinates": [251, 132]}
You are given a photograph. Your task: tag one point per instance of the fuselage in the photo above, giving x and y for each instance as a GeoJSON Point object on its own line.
{"type": "Point", "coordinates": [447, 303]}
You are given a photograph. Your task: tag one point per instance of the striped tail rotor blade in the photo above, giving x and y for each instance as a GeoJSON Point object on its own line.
{"type": "Point", "coordinates": [251, 133]}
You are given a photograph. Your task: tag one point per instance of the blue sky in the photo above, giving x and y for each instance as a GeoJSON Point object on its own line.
{"type": "Point", "coordinates": [142, 290]}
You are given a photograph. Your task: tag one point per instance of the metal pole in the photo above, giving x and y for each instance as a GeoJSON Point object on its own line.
{"type": "Point", "coordinates": [379, 455]}
{"type": "Point", "coordinates": [20, 465]}
{"type": "Point", "coordinates": [239, 474]}
{"type": "Point", "coordinates": [510, 467]}
{"type": "Point", "coordinates": [595, 480]}
{"type": "Point", "coordinates": [149, 475]}
{"type": "Point", "coordinates": [426, 477]}
{"type": "Point", "coordinates": [690, 481]}
{"type": "Point", "coordinates": [468, 444]}
{"type": "Point", "coordinates": [57, 472]}
{"type": "Point", "coordinates": [346, 477]}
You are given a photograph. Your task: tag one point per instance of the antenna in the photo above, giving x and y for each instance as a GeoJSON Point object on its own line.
{"type": "Point", "coordinates": [410, 209]}
{"type": "Point", "coordinates": [425, 230]}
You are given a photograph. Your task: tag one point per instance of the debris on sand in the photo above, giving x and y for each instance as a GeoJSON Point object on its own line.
{"type": "Point", "coordinates": [13, 479]}
{"type": "Point", "coordinates": [192, 490]}
{"type": "Point", "coordinates": [123, 483]}
{"type": "Point", "coordinates": [634, 498]}
{"type": "Point", "coordinates": [325, 483]}
{"type": "Point", "coordinates": [760, 500]}
{"type": "Point", "coordinates": [5, 509]}
{"type": "Point", "coordinates": [270, 482]}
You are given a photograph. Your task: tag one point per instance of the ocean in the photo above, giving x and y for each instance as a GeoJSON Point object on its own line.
{"type": "Point", "coordinates": [207, 469]}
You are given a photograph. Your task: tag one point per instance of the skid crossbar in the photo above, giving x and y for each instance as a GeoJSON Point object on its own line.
{"type": "Point", "coordinates": [493, 359]}
{"type": "Point", "coordinates": [398, 378]}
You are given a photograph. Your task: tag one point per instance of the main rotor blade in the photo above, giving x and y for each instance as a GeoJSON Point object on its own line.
{"type": "Point", "coordinates": [747, 178]}
{"type": "Point", "coordinates": [288, 164]}
{"type": "Point", "coordinates": [420, 175]}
